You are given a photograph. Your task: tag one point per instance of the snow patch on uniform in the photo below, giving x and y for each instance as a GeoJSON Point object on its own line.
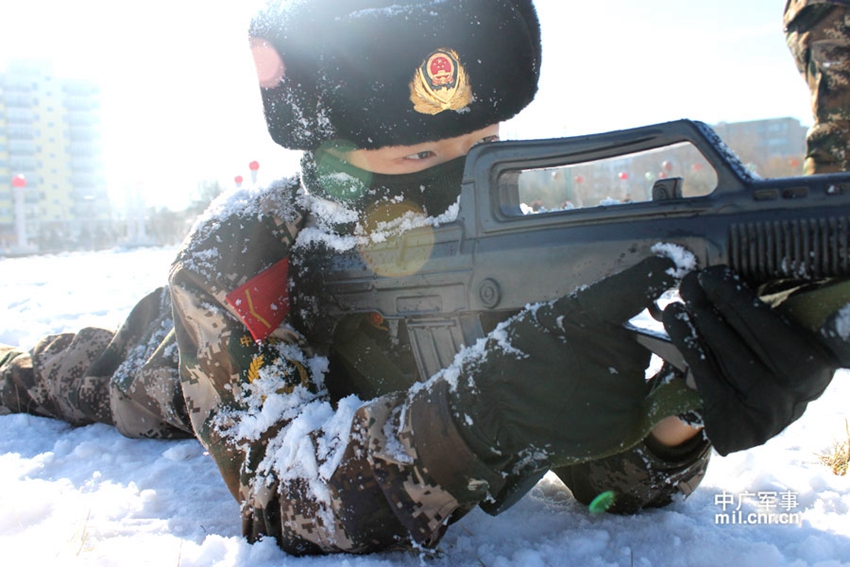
{"type": "Point", "coordinates": [311, 446]}
{"type": "Point", "coordinates": [138, 356]}
{"type": "Point", "coordinates": [326, 216]}
{"type": "Point", "coordinates": [275, 396]}
{"type": "Point", "coordinates": [306, 452]}
{"type": "Point", "coordinates": [280, 200]}
{"type": "Point", "coordinates": [250, 201]}
{"type": "Point", "coordinates": [410, 220]}
{"type": "Point", "coordinates": [307, 436]}
{"type": "Point", "coordinates": [473, 355]}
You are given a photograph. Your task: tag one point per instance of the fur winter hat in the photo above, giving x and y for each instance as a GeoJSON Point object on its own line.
{"type": "Point", "coordinates": [377, 73]}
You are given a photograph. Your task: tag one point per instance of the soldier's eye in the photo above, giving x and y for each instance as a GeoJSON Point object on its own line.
{"type": "Point", "coordinates": [420, 155]}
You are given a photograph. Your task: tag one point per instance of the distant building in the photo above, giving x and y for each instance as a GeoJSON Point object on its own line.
{"type": "Point", "coordinates": [771, 148]}
{"type": "Point", "coordinates": [50, 134]}
{"type": "Point", "coordinates": [769, 138]}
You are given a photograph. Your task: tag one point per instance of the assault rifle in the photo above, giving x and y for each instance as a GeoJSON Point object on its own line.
{"type": "Point", "coordinates": [499, 255]}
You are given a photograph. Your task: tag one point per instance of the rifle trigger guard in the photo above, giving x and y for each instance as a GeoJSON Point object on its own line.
{"type": "Point", "coordinates": [656, 311]}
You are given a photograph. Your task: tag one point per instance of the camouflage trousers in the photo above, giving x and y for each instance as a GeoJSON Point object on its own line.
{"type": "Point", "coordinates": [127, 378]}
{"type": "Point", "coordinates": [818, 35]}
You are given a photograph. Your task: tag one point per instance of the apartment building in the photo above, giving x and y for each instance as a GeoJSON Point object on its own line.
{"type": "Point", "coordinates": [769, 138]}
{"type": "Point", "coordinates": [50, 133]}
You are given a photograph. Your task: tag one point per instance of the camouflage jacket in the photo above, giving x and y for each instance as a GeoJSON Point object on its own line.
{"type": "Point", "coordinates": [320, 461]}
{"type": "Point", "coordinates": [793, 7]}
{"type": "Point", "coordinates": [319, 472]}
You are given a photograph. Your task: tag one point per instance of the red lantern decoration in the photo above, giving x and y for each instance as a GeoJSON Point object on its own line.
{"type": "Point", "coordinates": [19, 181]}
{"type": "Point", "coordinates": [238, 180]}
{"type": "Point", "coordinates": [254, 165]}
{"type": "Point", "coordinates": [667, 165]}
{"type": "Point", "coordinates": [623, 175]}
{"type": "Point", "coordinates": [579, 179]}
{"type": "Point", "coordinates": [697, 167]}
{"type": "Point", "coordinates": [662, 175]}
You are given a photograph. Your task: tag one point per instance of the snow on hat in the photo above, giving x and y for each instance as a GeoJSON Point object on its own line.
{"type": "Point", "coordinates": [377, 73]}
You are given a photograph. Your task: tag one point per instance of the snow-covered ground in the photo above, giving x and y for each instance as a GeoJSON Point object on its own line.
{"type": "Point", "coordinates": [90, 496]}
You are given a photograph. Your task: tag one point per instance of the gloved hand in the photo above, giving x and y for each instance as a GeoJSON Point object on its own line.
{"type": "Point", "coordinates": [754, 369]}
{"type": "Point", "coordinates": [557, 382]}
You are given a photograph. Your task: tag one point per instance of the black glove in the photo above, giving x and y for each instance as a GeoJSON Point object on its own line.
{"type": "Point", "coordinates": [754, 369]}
{"type": "Point", "coordinates": [555, 383]}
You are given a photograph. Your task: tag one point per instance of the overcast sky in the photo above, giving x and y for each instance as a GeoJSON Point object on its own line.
{"type": "Point", "coordinates": [180, 102]}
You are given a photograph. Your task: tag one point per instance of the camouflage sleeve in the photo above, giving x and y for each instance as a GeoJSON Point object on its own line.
{"type": "Point", "coordinates": [319, 475]}
{"type": "Point", "coordinates": [646, 476]}
{"type": "Point", "coordinates": [818, 35]}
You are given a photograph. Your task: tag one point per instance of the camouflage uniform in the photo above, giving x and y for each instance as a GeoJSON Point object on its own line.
{"type": "Point", "coordinates": [127, 378]}
{"type": "Point", "coordinates": [818, 34]}
{"type": "Point", "coordinates": [313, 466]}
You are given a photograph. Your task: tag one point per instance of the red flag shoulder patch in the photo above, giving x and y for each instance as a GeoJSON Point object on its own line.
{"type": "Point", "coordinates": [263, 301]}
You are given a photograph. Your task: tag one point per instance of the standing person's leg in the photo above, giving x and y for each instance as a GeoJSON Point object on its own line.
{"type": "Point", "coordinates": [819, 38]}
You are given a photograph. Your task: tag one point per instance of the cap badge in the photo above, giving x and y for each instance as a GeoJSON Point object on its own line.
{"type": "Point", "coordinates": [440, 83]}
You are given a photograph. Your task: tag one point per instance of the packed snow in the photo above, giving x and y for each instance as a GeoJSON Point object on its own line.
{"type": "Point", "coordinates": [88, 496]}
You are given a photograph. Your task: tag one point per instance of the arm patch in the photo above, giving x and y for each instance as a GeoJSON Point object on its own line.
{"type": "Point", "coordinates": [263, 301]}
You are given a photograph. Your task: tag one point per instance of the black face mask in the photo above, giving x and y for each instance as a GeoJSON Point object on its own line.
{"type": "Point", "coordinates": [433, 190]}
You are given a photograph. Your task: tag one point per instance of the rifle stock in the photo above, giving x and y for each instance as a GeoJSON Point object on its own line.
{"type": "Point", "coordinates": [495, 259]}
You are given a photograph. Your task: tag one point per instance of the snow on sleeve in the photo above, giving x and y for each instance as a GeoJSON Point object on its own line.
{"type": "Point", "coordinates": [248, 201]}
{"type": "Point", "coordinates": [142, 353]}
{"type": "Point", "coordinates": [311, 435]}
{"type": "Point", "coordinates": [252, 201]}
{"type": "Point", "coordinates": [311, 446]}
{"type": "Point", "coordinates": [498, 338]}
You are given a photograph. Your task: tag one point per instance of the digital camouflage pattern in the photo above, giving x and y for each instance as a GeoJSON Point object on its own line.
{"type": "Point", "coordinates": [320, 472]}
{"type": "Point", "coordinates": [127, 378]}
{"type": "Point", "coordinates": [818, 34]}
